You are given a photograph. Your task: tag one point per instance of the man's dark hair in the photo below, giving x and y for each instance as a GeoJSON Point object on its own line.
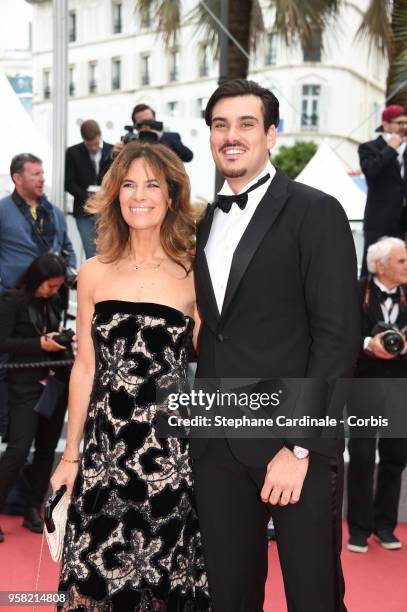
{"type": "Point", "coordinates": [18, 161]}
{"type": "Point", "coordinates": [139, 108]}
{"type": "Point", "coordinates": [242, 87]}
{"type": "Point", "coordinates": [90, 129]}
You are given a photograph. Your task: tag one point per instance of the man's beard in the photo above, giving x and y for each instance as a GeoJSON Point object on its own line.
{"type": "Point", "coordinates": [233, 172]}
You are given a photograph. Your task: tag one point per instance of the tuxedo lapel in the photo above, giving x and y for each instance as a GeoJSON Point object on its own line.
{"type": "Point", "coordinates": [261, 222]}
{"type": "Point", "coordinates": [374, 311]}
{"type": "Point", "coordinates": [87, 160]}
{"type": "Point", "coordinates": [201, 263]}
{"type": "Point", "coordinates": [105, 152]}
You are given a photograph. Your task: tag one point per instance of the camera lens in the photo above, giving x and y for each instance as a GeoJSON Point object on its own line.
{"type": "Point", "coordinates": [393, 342]}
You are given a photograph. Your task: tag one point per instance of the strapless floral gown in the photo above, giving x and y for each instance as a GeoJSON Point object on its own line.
{"type": "Point", "coordinates": [132, 541]}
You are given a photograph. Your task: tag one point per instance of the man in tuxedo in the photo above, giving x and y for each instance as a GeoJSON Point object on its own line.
{"type": "Point", "coordinates": [383, 162]}
{"type": "Point", "coordinates": [382, 298]}
{"type": "Point", "coordinates": [276, 288]}
{"type": "Point", "coordinates": [85, 167]}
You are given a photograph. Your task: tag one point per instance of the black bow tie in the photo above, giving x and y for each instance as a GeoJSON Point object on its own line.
{"type": "Point", "coordinates": [395, 297]}
{"type": "Point", "coordinates": [224, 202]}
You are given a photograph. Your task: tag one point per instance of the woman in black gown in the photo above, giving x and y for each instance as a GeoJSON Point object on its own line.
{"type": "Point", "coordinates": [132, 540]}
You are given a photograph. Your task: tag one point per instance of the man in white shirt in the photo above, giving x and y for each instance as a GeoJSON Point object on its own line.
{"type": "Point", "coordinates": [276, 288]}
{"type": "Point", "coordinates": [84, 169]}
{"type": "Point", "coordinates": [382, 297]}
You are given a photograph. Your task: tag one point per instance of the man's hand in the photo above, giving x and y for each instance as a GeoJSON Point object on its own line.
{"type": "Point", "coordinates": [395, 141]}
{"type": "Point", "coordinates": [376, 347]}
{"type": "Point", "coordinates": [118, 148]}
{"type": "Point", "coordinates": [284, 479]}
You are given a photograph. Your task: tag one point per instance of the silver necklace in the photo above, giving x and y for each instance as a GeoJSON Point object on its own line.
{"type": "Point", "coordinates": [136, 267]}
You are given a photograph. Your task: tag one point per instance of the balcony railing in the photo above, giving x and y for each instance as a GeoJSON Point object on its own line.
{"type": "Point", "coordinates": [93, 86]}
{"type": "Point", "coordinates": [47, 92]}
{"type": "Point", "coordinates": [310, 122]}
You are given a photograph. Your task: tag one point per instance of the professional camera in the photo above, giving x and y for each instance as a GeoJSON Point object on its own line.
{"type": "Point", "coordinates": [71, 274]}
{"type": "Point", "coordinates": [158, 126]}
{"type": "Point", "coordinates": [394, 338]}
{"type": "Point", "coordinates": [142, 135]}
{"type": "Point", "coordinates": [65, 338]}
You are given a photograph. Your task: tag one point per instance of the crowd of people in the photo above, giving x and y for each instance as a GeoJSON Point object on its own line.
{"type": "Point", "coordinates": [264, 286]}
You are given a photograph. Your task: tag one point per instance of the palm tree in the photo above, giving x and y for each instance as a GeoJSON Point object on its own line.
{"type": "Point", "coordinates": [384, 23]}
{"type": "Point", "coordinates": [295, 21]}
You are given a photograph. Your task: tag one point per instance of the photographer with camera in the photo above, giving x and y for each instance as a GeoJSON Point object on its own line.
{"type": "Point", "coordinates": [147, 129]}
{"type": "Point", "coordinates": [30, 319]}
{"type": "Point", "coordinates": [383, 355]}
{"type": "Point", "coordinates": [29, 226]}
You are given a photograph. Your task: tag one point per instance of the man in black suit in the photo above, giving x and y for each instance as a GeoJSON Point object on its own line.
{"type": "Point", "coordinates": [84, 168]}
{"type": "Point", "coordinates": [276, 288]}
{"type": "Point", "coordinates": [383, 162]}
{"type": "Point", "coordinates": [382, 300]}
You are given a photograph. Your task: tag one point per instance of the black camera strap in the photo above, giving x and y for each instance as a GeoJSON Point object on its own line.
{"type": "Point", "coordinates": [23, 208]}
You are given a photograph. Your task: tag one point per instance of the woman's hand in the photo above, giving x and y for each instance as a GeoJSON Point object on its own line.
{"type": "Point", "coordinates": [65, 474]}
{"type": "Point", "coordinates": [49, 345]}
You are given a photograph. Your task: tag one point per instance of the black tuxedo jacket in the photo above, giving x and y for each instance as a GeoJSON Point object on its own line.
{"type": "Point", "coordinates": [369, 366]}
{"type": "Point", "coordinates": [384, 210]}
{"type": "Point", "coordinates": [290, 308]}
{"type": "Point", "coordinates": [80, 173]}
{"type": "Point", "coordinates": [173, 140]}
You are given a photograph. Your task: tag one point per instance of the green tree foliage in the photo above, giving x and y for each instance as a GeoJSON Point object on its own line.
{"type": "Point", "coordinates": [293, 159]}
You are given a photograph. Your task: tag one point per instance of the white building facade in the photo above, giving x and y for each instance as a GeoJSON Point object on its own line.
{"type": "Point", "coordinates": [116, 61]}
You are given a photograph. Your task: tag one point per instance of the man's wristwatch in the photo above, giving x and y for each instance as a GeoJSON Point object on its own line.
{"type": "Point", "coordinates": [300, 452]}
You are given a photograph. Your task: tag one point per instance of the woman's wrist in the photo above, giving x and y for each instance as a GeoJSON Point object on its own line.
{"type": "Point", "coordinates": [71, 454]}
{"type": "Point", "coordinates": [69, 459]}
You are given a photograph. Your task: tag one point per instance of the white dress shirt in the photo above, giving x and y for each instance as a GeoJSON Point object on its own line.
{"type": "Point", "coordinates": [390, 309]}
{"type": "Point", "coordinates": [96, 157]}
{"type": "Point", "coordinates": [227, 230]}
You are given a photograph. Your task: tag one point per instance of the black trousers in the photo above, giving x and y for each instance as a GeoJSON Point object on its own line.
{"type": "Point", "coordinates": [26, 426]}
{"type": "Point", "coordinates": [234, 521]}
{"type": "Point", "coordinates": [369, 512]}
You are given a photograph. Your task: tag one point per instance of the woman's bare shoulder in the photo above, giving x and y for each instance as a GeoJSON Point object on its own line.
{"type": "Point", "coordinates": [92, 266]}
{"type": "Point", "coordinates": [91, 274]}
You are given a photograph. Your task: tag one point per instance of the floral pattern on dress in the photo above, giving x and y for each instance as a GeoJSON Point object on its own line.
{"type": "Point", "coordinates": [132, 541]}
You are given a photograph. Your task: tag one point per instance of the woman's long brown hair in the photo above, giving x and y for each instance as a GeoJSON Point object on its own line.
{"type": "Point", "coordinates": [178, 228]}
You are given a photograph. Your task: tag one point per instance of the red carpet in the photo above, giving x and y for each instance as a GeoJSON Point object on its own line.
{"type": "Point", "coordinates": [375, 582]}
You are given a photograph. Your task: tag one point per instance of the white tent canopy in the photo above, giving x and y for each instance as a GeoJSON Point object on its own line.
{"type": "Point", "coordinates": [18, 134]}
{"type": "Point", "coordinates": [325, 171]}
